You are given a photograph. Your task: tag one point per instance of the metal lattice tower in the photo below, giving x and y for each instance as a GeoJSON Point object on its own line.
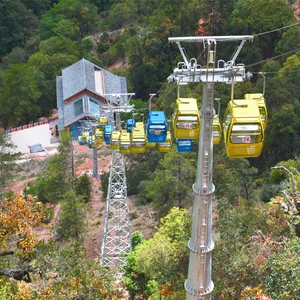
{"type": "Point", "coordinates": [199, 284]}
{"type": "Point", "coordinates": [116, 241]}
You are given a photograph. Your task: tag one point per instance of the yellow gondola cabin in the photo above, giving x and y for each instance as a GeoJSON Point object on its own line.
{"type": "Point", "coordinates": [216, 130]}
{"type": "Point", "coordinates": [125, 142]}
{"type": "Point", "coordinates": [102, 122]}
{"type": "Point", "coordinates": [92, 143]}
{"type": "Point", "coordinates": [167, 145]}
{"type": "Point", "coordinates": [150, 145]}
{"type": "Point", "coordinates": [115, 140]}
{"type": "Point", "coordinates": [260, 100]}
{"type": "Point", "coordinates": [138, 138]}
{"type": "Point", "coordinates": [243, 129]}
{"type": "Point", "coordinates": [186, 121]}
{"type": "Point", "coordinates": [85, 138]}
{"type": "Point", "coordinates": [99, 136]}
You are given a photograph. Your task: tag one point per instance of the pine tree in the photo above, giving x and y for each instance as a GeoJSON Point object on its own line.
{"type": "Point", "coordinates": [7, 159]}
{"type": "Point", "coordinates": [72, 218]}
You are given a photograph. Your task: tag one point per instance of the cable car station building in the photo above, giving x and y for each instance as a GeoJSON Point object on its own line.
{"type": "Point", "coordinates": [81, 91]}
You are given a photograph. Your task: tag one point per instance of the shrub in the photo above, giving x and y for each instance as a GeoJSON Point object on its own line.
{"type": "Point", "coordinates": [83, 187]}
{"type": "Point", "coordinates": [104, 183]}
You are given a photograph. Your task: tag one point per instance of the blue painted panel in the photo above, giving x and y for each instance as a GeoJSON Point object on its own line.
{"type": "Point", "coordinates": [74, 130]}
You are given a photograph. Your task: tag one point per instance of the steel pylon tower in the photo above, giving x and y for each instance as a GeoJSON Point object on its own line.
{"type": "Point", "coordinates": [199, 284]}
{"type": "Point", "coordinates": [116, 241]}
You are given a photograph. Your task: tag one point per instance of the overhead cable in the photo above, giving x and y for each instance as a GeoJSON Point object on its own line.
{"type": "Point", "coordinates": [271, 58]}
{"type": "Point", "coordinates": [277, 29]}
{"type": "Point", "coordinates": [281, 71]}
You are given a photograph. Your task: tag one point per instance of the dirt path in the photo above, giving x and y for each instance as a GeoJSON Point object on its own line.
{"type": "Point", "coordinates": [45, 233]}
{"type": "Point", "coordinates": [95, 221]}
{"type": "Point", "coordinates": [142, 218]}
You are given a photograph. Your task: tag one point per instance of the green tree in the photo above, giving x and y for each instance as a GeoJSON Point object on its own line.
{"type": "Point", "coordinates": [68, 29]}
{"type": "Point", "coordinates": [103, 5]}
{"type": "Point", "coordinates": [234, 178]}
{"type": "Point", "coordinates": [119, 15]}
{"type": "Point", "coordinates": [21, 86]}
{"type": "Point", "coordinates": [7, 159]}
{"type": "Point", "coordinates": [162, 258]}
{"type": "Point", "coordinates": [171, 182]}
{"type": "Point", "coordinates": [282, 280]}
{"type": "Point", "coordinates": [81, 13]}
{"type": "Point", "coordinates": [282, 134]}
{"type": "Point", "coordinates": [17, 25]}
{"type": "Point", "coordinates": [51, 66]}
{"type": "Point", "coordinates": [63, 271]}
{"type": "Point", "coordinates": [39, 7]}
{"type": "Point", "coordinates": [83, 187]}
{"type": "Point", "coordinates": [60, 44]}
{"type": "Point", "coordinates": [136, 239]}
{"type": "Point", "coordinates": [104, 183]}
{"type": "Point", "coordinates": [290, 40]}
{"type": "Point", "coordinates": [249, 17]}
{"type": "Point", "coordinates": [17, 56]}
{"type": "Point", "coordinates": [72, 217]}
{"type": "Point", "coordinates": [247, 233]}
{"type": "Point", "coordinates": [289, 79]}
{"type": "Point", "coordinates": [58, 176]}
{"type": "Point", "coordinates": [52, 184]}
{"type": "Point", "coordinates": [65, 149]}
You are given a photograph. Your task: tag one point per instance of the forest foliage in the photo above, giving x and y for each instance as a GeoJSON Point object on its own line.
{"type": "Point", "coordinates": [257, 215]}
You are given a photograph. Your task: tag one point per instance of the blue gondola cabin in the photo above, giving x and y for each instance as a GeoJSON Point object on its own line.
{"type": "Point", "coordinates": [156, 127]}
{"type": "Point", "coordinates": [130, 123]}
{"type": "Point", "coordinates": [108, 129]}
{"type": "Point", "coordinates": [184, 145]}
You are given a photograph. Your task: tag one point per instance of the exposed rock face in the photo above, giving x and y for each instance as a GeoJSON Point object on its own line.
{"type": "Point", "coordinates": [296, 8]}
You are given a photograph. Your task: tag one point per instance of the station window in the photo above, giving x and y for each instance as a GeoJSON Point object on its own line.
{"type": "Point", "coordinates": [78, 107]}
{"type": "Point", "coordinates": [94, 107]}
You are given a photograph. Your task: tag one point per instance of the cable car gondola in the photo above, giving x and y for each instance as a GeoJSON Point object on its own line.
{"type": "Point", "coordinates": [83, 139]}
{"type": "Point", "coordinates": [156, 127]}
{"type": "Point", "coordinates": [125, 142]}
{"type": "Point", "coordinates": [186, 122]}
{"type": "Point", "coordinates": [92, 143]}
{"type": "Point", "coordinates": [184, 145]}
{"type": "Point", "coordinates": [108, 129]}
{"type": "Point", "coordinates": [99, 135]}
{"type": "Point", "coordinates": [130, 123]}
{"type": "Point", "coordinates": [150, 145]}
{"type": "Point", "coordinates": [243, 129]}
{"type": "Point", "coordinates": [115, 140]}
{"type": "Point", "coordinates": [167, 145]}
{"type": "Point", "coordinates": [138, 138]}
{"type": "Point", "coordinates": [260, 100]}
{"type": "Point", "coordinates": [216, 130]}
{"type": "Point", "coordinates": [102, 122]}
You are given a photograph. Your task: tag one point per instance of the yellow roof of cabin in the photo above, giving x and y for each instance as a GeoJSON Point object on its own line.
{"type": "Point", "coordinates": [249, 110]}
{"type": "Point", "coordinates": [187, 104]}
{"type": "Point", "coordinates": [115, 134]}
{"type": "Point", "coordinates": [138, 132]}
{"type": "Point", "coordinates": [253, 96]}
